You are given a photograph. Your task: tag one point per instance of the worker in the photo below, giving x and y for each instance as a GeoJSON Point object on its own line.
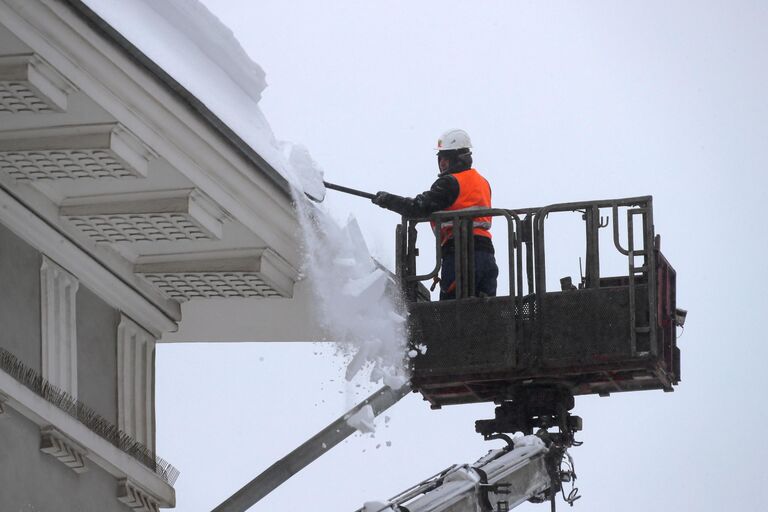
{"type": "Point", "coordinates": [457, 187]}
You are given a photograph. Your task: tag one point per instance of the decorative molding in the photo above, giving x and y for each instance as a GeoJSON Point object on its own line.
{"type": "Point", "coordinates": [56, 444]}
{"type": "Point", "coordinates": [136, 382]}
{"type": "Point", "coordinates": [206, 285]}
{"type": "Point", "coordinates": [160, 216]}
{"type": "Point", "coordinates": [219, 274]}
{"type": "Point", "coordinates": [135, 497]}
{"type": "Point", "coordinates": [99, 451]}
{"type": "Point", "coordinates": [160, 227]}
{"type": "Point", "coordinates": [3, 401]}
{"type": "Point", "coordinates": [91, 151]}
{"type": "Point", "coordinates": [157, 314]}
{"type": "Point", "coordinates": [58, 289]}
{"type": "Point", "coordinates": [228, 171]}
{"type": "Point", "coordinates": [29, 84]}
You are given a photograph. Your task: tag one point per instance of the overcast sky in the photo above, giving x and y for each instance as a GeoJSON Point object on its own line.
{"type": "Point", "coordinates": [564, 101]}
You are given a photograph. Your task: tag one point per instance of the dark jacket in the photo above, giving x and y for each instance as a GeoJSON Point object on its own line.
{"type": "Point", "coordinates": [441, 195]}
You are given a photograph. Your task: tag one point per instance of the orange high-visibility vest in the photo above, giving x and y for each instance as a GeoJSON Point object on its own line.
{"type": "Point", "coordinates": [474, 192]}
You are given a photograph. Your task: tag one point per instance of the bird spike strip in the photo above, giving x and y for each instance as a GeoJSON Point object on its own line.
{"type": "Point", "coordinates": [32, 380]}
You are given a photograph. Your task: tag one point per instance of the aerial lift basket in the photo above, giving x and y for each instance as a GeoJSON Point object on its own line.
{"type": "Point", "coordinates": [603, 335]}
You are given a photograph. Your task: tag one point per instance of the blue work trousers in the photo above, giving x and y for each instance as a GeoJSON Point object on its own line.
{"type": "Point", "coordinates": [486, 273]}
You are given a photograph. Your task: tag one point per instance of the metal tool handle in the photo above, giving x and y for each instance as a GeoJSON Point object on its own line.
{"type": "Point", "coordinates": [348, 190]}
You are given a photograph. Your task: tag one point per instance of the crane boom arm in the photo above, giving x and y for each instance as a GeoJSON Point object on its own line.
{"type": "Point", "coordinates": [501, 480]}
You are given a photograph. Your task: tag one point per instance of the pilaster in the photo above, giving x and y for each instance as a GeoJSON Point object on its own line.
{"type": "Point", "coordinates": [58, 289]}
{"type": "Point", "coordinates": [135, 382]}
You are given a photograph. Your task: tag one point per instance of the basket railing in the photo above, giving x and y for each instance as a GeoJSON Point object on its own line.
{"type": "Point", "coordinates": [526, 253]}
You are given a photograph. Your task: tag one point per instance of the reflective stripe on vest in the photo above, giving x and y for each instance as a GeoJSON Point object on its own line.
{"type": "Point", "coordinates": [474, 193]}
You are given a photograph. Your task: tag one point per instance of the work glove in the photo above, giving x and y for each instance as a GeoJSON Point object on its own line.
{"type": "Point", "coordinates": [382, 199]}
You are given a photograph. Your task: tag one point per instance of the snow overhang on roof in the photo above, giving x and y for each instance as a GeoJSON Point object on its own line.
{"type": "Point", "coordinates": [203, 34]}
{"type": "Point", "coordinates": [134, 153]}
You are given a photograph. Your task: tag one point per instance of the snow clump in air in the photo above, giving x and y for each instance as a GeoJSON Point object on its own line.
{"type": "Point", "coordinates": [355, 299]}
{"type": "Point", "coordinates": [362, 420]}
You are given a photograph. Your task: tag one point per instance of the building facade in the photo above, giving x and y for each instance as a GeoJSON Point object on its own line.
{"type": "Point", "coordinates": [122, 197]}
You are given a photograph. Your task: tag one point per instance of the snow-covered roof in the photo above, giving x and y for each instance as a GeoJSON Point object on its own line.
{"type": "Point", "coordinates": [186, 46]}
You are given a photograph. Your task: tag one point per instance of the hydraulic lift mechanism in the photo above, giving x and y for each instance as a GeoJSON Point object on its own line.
{"type": "Point", "coordinates": [531, 351]}
{"type": "Point", "coordinates": [500, 481]}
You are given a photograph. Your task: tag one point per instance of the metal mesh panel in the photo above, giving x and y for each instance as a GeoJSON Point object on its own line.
{"type": "Point", "coordinates": [587, 326]}
{"type": "Point", "coordinates": [479, 349]}
{"type": "Point", "coordinates": [471, 335]}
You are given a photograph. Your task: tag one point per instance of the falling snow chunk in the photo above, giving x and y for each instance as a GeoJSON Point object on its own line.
{"type": "Point", "coordinates": [356, 241]}
{"type": "Point", "coordinates": [351, 296]}
{"type": "Point", "coordinates": [308, 173]}
{"type": "Point", "coordinates": [395, 381]}
{"type": "Point", "coordinates": [324, 446]}
{"type": "Point", "coordinates": [377, 374]}
{"type": "Point", "coordinates": [369, 288]}
{"type": "Point", "coordinates": [412, 353]}
{"type": "Point", "coordinates": [357, 362]}
{"type": "Point", "coordinates": [362, 420]}
{"type": "Point", "coordinates": [345, 262]}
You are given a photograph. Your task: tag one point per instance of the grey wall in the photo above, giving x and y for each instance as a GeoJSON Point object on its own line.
{"type": "Point", "coordinates": [20, 325]}
{"type": "Point", "coordinates": [32, 481]}
{"type": "Point", "coordinates": [20, 298]}
{"type": "Point", "coordinates": [97, 353]}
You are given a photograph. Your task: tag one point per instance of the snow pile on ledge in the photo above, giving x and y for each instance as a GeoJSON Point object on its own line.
{"type": "Point", "coordinates": [202, 54]}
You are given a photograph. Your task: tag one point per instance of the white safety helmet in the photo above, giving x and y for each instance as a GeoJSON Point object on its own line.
{"type": "Point", "coordinates": [453, 139]}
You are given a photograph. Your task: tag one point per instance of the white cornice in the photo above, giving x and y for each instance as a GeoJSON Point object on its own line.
{"type": "Point", "coordinates": [229, 273]}
{"type": "Point", "coordinates": [110, 150]}
{"type": "Point", "coordinates": [43, 88]}
{"type": "Point", "coordinates": [114, 461]}
{"type": "Point", "coordinates": [158, 115]}
{"type": "Point", "coordinates": [160, 215]}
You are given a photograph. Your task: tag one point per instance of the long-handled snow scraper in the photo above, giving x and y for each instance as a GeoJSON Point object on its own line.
{"type": "Point", "coordinates": [298, 459]}
{"type": "Point", "coordinates": [318, 195]}
{"type": "Point", "coordinates": [348, 190]}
